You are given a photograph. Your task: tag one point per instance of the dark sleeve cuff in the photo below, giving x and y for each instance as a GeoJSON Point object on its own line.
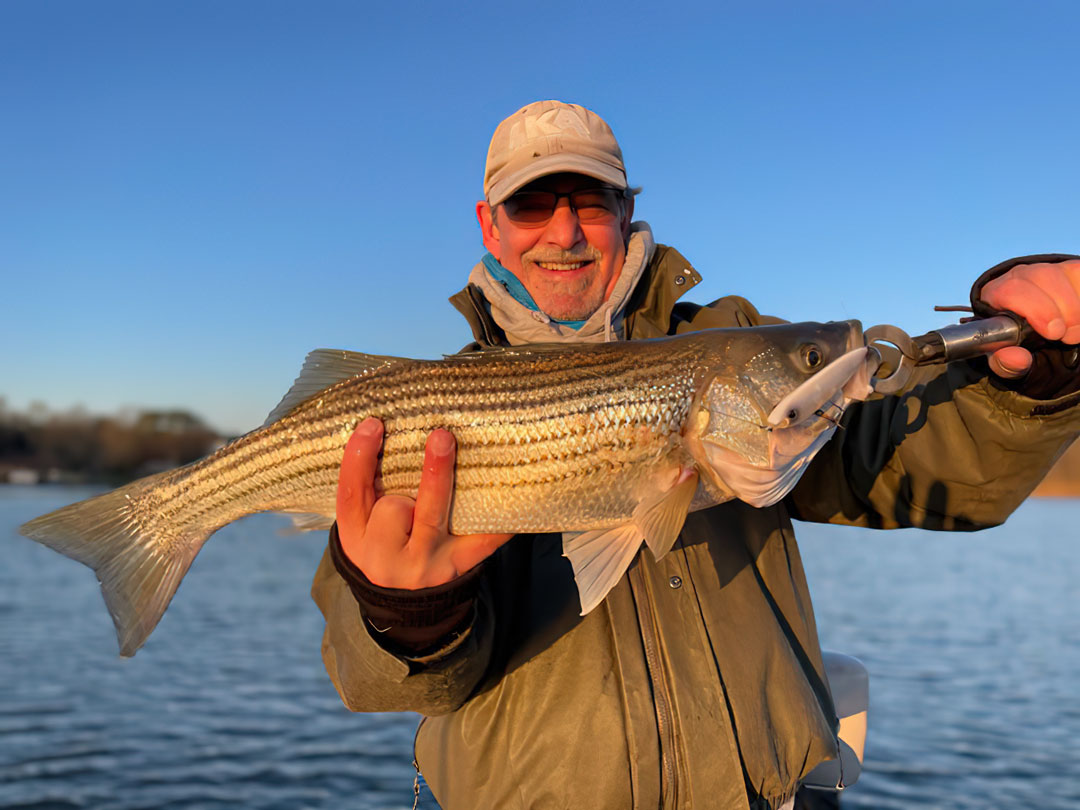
{"type": "Point", "coordinates": [410, 622]}
{"type": "Point", "coordinates": [1056, 368]}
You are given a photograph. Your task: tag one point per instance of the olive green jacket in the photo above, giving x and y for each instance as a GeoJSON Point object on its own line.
{"type": "Point", "coordinates": [698, 683]}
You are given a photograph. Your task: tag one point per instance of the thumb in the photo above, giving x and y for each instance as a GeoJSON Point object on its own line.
{"type": "Point", "coordinates": [1011, 363]}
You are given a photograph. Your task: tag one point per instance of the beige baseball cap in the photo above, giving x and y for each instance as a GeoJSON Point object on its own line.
{"type": "Point", "coordinates": [548, 137]}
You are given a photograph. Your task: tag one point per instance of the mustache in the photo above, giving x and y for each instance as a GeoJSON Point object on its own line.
{"type": "Point", "coordinates": [589, 254]}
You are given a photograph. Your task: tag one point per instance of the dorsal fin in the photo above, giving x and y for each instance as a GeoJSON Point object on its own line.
{"type": "Point", "coordinates": [326, 367]}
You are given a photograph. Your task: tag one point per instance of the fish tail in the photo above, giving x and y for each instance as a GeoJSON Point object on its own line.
{"type": "Point", "coordinates": [138, 572]}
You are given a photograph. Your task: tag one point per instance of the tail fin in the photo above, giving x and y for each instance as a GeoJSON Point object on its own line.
{"type": "Point", "coordinates": [138, 572]}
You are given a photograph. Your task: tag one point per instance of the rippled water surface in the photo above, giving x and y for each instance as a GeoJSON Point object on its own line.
{"type": "Point", "coordinates": [973, 644]}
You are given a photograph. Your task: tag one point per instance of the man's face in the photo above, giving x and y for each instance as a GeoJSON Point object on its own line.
{"type": "Point", "coordinates": [568, 266]}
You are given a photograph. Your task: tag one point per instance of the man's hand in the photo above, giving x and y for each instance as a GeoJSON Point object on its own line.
{"type": "Point", "coordinates": [398, 542]}
{"type": "Point", "coordinates": [1047, 296]}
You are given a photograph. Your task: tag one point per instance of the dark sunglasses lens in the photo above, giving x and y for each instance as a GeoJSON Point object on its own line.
{"type": "Point", "coordinates": [594, 205]}
{"type": "Point", "coordinates": [537, 207]}
{"type": "Point", "coordinates": [530, 206]}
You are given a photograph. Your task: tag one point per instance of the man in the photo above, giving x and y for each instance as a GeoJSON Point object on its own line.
{"type": "Point", "coordinates": [698, 682]}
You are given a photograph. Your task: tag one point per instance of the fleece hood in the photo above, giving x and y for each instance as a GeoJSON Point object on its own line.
{"type": "Point", "coordinates": [524, 325]}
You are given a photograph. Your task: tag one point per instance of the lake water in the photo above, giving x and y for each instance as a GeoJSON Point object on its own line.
{"type": "Point", "coordinates": [972, 641]}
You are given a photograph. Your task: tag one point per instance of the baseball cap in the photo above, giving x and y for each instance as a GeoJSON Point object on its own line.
{"type": "Point", "coordinates": [548, 137]}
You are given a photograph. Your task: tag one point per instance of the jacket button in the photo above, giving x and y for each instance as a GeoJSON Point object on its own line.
{"type": "Point", "coordinates": [680, 280]}
{"type": "Point", "coordinates": [676, 582]}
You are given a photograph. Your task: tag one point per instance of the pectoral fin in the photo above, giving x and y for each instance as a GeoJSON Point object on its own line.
{"type": "Point", "coordinates": [600, 558]}
{"type": "Point", "coordinates": [662, 520]}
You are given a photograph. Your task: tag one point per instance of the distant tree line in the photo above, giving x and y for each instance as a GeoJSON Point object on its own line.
{"type": "Point", "coordinates": [1063, 480]}
{"type": "Point", "coordinates": [76, 445]}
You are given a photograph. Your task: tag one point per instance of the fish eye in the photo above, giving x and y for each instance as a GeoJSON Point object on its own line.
{"type": "Point", "coordinates": [812, 356]}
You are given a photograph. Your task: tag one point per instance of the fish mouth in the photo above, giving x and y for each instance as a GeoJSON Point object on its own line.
{"type": "Point", "coordinates": [768, 466]}
{"type": "Point", "coordinates": [820, 391]}
{"type": "Point", "coordinates": [843, 378]}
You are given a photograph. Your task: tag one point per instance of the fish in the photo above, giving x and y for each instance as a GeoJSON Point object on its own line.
{"type": "Point", "coordinates": [611, 444]}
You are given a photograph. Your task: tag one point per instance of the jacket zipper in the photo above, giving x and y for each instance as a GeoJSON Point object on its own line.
{"type": "Point", "coordinates": [416, 765]}
{"type": "Point", "coordinates": [661, 690]}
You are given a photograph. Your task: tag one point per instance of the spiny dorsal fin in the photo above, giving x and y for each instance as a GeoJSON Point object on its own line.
{"type": "Point", "coordinates": [326, 367]}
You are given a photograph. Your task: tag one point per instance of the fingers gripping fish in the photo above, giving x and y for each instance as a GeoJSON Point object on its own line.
{"type": "Point", "coordinates": [611, 444]}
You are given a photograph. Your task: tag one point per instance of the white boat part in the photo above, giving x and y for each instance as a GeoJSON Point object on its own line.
{"type": "Point", "coordinates": [849, 682]}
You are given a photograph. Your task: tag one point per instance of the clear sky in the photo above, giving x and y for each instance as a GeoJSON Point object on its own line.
{"type": "Point", "coordinates": [195, 194]}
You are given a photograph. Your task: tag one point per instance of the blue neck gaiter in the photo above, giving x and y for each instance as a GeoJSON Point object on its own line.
{"type": "Point", "coordinates": [517, 289]}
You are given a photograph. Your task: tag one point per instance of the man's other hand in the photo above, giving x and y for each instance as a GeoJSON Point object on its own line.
{"type": "Point", "coordinates": [1047, 296]}
{"type": "Point", "coordinates": [396, 541]}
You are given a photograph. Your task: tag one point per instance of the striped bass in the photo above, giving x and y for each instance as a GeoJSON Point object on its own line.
{"type": "Point", "coordinates": [610, 443]}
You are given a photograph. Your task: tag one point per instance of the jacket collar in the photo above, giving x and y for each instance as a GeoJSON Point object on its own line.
{"type": "Point", "coordinates": [648, 312]}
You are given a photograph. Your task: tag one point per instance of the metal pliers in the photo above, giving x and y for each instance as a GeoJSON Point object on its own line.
{"type": "Point", "coordinates": [900, 353]}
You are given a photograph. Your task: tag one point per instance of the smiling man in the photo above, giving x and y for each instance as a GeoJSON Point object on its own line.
{"type": "Point", "coordinates": [557, 209]}
{"type": "Point", "coordinates": [698, 682]}
{"type": "Point", "coordinates": [563, 239]}
{"type": "Point", "coordinates": [556, 220]}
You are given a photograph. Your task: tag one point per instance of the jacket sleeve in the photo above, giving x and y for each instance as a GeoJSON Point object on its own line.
{"type": "Point", "coordinates": [370, 678]}
{"type": "Point", "coordinates": [957, 449]}
{"type": "Point", "coordinates": [411, 623]}
{"type": "Point", "coordinates": [954, 451]}
{"type": "Point", "coordinates": [1054, 371]}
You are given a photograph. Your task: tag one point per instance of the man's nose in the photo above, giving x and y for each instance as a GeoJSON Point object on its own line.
{"type": "Point", "coordinates": [564, 229]}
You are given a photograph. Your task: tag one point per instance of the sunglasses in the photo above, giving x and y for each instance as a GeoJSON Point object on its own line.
{"type": "Point", "coordinates": [592, 205]}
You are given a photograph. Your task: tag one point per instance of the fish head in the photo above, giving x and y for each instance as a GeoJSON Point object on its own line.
{"type": "Point", "coordinates": [768, 399]}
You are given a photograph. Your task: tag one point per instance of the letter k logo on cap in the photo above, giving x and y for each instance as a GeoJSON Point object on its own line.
{"type": "Point", "coordinates": [550, 122]}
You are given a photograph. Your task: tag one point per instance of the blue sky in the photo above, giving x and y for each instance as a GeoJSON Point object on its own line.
{"type": "Point", "coordinates": [193, 195]}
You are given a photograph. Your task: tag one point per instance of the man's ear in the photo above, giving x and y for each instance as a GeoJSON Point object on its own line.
{"type": "Point", "coordinates": [485, 215]}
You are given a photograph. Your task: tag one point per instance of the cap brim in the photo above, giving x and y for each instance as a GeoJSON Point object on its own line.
{"type": "Point", "coordinates": [555, 164]}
